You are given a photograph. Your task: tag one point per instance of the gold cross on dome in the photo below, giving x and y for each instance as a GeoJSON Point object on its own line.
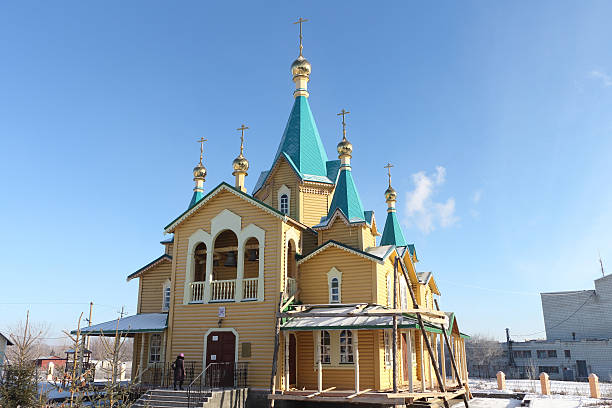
{"type": "Point", "coordinates": [388, 167]}
{"type": "Point", "coordinates": [343, 113]}
{"type": "Point", "coordinates": [300, 21]}
{"type": "Point", "coordinates": [242, 128]}
{"type": "Point", "coordinates": [201, 142]}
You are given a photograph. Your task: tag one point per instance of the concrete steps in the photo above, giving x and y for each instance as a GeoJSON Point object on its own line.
{"type": "Point", "coordinates": [162, 398]}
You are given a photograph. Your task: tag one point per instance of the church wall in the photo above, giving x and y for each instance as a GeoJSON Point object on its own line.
{"type": "Point", "coordinates": [151, 288]}
{"type": "Point", "coordinates": [341, 378]}
{"type": "Point", "coordinates": [254, 321]}
{"type": "Point", "coordinates": [315, 203]}
{"type": "Point", "coordinates": [341, 232]}
{"type": "Point", "coordinates": [357, 277]}
{"type": "Point", "coordinates": [309, 242]}
{"type": "Point", "coordinates": [285, 175]}
{"type": "Point", "coordinates": [168, 248]}
{"type": "Point", "coordinates": [367, 238]}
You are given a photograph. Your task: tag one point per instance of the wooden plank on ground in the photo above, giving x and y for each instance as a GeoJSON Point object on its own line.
{"type": "Point", "coordinates": [359, 393]}
{"type": "Point", "coordinates": [320, 392]}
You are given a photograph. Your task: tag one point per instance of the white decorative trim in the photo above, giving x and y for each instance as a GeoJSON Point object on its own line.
{"type": "Point", "coordinates": [216, 329]}
{"type": "Point", "coordinates": [225, 220]}
{"type": "Point", "coordinates": [284, 190]}
{"type": "Point", "coordinates": [334, 273]}
{"type": "Point", "coordinates": [337, 213]}
{"type": "Point", "coordinates": [373, 258]}
{"type": "Point", "coordinates": [166, 285]}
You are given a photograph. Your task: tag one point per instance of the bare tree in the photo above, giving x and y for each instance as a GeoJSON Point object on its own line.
{"type": "Point", "coordinates": [20, 383]}
{"type": "Point", "coordinates": [482, 353]}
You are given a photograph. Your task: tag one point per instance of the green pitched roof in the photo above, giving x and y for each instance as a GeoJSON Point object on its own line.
{"type": "Point", "coordinates": [197, 196]}
{"type": "Point", "coordinates": [301, 141]}
{"type": "Point", "coordinates": [392, 234]}
{"type": "Point", "coordinates": [346, 198]}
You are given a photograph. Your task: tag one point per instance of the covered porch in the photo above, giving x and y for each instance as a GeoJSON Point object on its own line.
{"type": "Point", "coordinates": [354, 354]}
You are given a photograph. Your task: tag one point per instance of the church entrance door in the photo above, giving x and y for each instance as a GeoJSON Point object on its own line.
{"type": "Point", "coordinates": [220, 359]}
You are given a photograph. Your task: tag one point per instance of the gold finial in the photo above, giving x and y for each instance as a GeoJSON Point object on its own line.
{"type": "Point", "coordinates": [201, 142]}
{"type": "Point", "coordinates": [343, 113]}
{"type": "Point", "coordinates": [300, 21]}
{"type": "Point", "coordinates": [242, 128]}
{"type": "Point", "coordinates": [388, 167]}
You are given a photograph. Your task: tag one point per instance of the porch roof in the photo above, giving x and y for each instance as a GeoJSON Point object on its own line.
{"type": "Point", "coordinates": [359, 320]}
{"type": "Point", "coordinates": [140, 323]}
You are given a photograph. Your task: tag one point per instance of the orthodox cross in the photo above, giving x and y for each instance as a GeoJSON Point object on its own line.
{"type": "Point", "coordinates": [300, 21]}
{"type": "Point", "coordinates": [242, 129]}
{"type": "Point", "coordinates": [343, 113]}
{"type": "Point", "coordinates": [201, 142]}
{"type": "Point", "coordinates": [388, 167]}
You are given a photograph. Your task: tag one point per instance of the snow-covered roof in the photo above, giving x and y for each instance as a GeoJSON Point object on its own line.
{"type": "Point", "coordinates": [8, 342]}
{"type": "Point", "coordinates": [140, 323]}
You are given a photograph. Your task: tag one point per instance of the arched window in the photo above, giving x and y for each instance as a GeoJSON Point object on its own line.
{"type": "Point", "coordinates": [404, 293]}
{"type": "Point", "coordinates": [225, 267]}
{"type": "Point", "coordinates": [166, 296]}
{"type": "Point", "coordinates": [334, 291]}
{"type": "Point", "coordinates": [155, 348]}
{"type": "Point", "coordinates": [325, 347]}
{"type": "Point", "coordinates": [346, 347]}
{"type": "Point", "coordinates": [284, 204]}
{"type": "Point", "coordinates": [334, 281]}
{"type": "Point", "coordinates": [291, 265]}
{"type": "Point", "coordinates": [200, 263]}
{"type": "Point", "coordinates": [250, 281]}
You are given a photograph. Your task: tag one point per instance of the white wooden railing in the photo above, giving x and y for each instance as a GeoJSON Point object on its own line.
{"type": "Point", "coordinates": [249, 288]}
{"type": "Point", "coordinates": [197, 292]}
{"type": "Point", "coordinates": [291, 286]}
{"type": "Point", "coordinates": [223, 290]}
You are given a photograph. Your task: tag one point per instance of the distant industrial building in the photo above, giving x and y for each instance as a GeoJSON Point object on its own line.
{"type": "Point", "coordinates": [578, 339]}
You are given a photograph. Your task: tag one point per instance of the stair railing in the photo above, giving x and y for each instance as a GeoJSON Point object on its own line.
{"type": "Point", "coordinates": [200, 377]}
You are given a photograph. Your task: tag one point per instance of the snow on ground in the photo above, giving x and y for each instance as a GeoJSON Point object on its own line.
{"type": "Point", "coordinates": [533, 387]}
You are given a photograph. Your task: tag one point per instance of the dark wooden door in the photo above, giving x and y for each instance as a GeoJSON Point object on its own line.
{"type": "Point", "coordinates": [582, 368]}
{"type": "Point", "coordinates": [405, 360]}
{"type": "Point", "coordinates": [292, 360]}
{"type": "Point", "coordinates": [220, 359]}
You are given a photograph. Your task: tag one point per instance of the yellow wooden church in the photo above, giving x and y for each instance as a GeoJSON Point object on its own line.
{"type": "Point", "coordinates": [291, 289]}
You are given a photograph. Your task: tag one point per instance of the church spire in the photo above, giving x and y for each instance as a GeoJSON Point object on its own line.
{"type": "Point", "coordinates": [300, 69]}
{"type": "Point", "coordinates": [392, 234]}
{"type": "Point", "coordinates": [199, 176]}
{"type": "Point", "coordinates": [241, 164]}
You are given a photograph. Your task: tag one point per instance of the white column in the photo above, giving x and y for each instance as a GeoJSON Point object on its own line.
{"type": "Point", "coordinates": [239, 271]}
{"type": "Point", "coordinates": [422, 363]}
{"type": "Point", "coordinates": [356, 357]}
{"type": "Point", "coordinates": [429, 365]}
{"type": "Point", "coordinates": [410, 363]}
{"type": "Point", "coordinates": [319, 364]}
{"type": "Point", "coordinates": [260, 265]}
{"type": "Point", "coordinates": [286, 360]}
{"type": "Point", "coordinates": [141, 360]}
{"type": "Point", "coordinates": [209, 269]}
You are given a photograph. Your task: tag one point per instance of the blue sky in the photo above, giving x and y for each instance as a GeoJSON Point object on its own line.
{"type": "Point", "coordinates": [495, 115]}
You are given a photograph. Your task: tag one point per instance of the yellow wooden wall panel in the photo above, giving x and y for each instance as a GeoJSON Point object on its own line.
{"type": "Point", "coordinates": [151, 287]}
{"type": "Point", "coordinates": [356, 285]}
{"type": "Point", "coordinates": [254, 321]}
{"type": "Point", "coordinates": [315, 206]}
{"type": "Point", "coordinates": [341, 232]}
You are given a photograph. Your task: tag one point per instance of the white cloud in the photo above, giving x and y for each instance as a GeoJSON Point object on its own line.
{"type": "Point", "coordinates": [476, 196]}
{"type": "Point", "coordinates": [604, 77]}
{"type": "Point", "coordinates": [422, 211]}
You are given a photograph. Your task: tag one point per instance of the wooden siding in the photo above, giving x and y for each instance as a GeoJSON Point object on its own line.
{"type": "Point", "coordinates": [168, 248]}
{"type": "Point", "coordinates": [314, 206]}
{"type": "Point", "coordinates": [357, 277]}
{"type": "Point", "coordinates": [368, 239]}
{"type": "Point", "coordinates": [339, 377]}
{"type": "Point", "coordinates": [309, 242]}
{"type": "Point", "coordinates": [341, 232]}
{"type": "Point", "coordinates": [151, 288]}
{"type": "Point", "coordinates": [285, 175]}
{"type": "Point", "coordinates": [254, 321]}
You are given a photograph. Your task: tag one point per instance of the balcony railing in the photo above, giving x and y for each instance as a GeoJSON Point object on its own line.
{"type": "Point", "coordinates": [197, 292]}
{"type": "Point", "coordinates": [291, 286]}
{"type": "Point", "coordinates": [223, 290]}
{"type": "Point", "coordinates": [249, 288]}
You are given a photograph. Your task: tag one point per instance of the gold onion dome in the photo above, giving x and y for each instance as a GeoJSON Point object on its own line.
{"type": "Point", "coordinates": [240, 163]}
{"type": "Point", "coordinates": [301, 67]}
{"type": "Point", "coordinates": [345, 148]}
{"type": "Point", "coordinates": [390, 194]}
{"type": "Point", "coordinates": [199, 171]}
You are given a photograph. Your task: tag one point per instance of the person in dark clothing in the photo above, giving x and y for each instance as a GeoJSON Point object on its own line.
{"type": "Point", "coordinates": [179, 370]}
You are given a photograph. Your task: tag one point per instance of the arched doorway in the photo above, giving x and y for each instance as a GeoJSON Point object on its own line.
{"type": "Point", "coordinates": [220, 358]}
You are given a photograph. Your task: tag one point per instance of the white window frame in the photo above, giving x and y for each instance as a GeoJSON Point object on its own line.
{"type": "Point", "coordinates": [166, 289]}
{"type": "Point", "coordinates": [346, 350]}
{"type": "Point", "coordinates": [155, 350]}
{"type": "Point", "coordinates": [331, 275]}
{"type": "Point", "coordinates": [387, 337]}
{"type": "Point", "coordinates": [325, 352]}
{"type": "Point", "coordinates": [284, 190]}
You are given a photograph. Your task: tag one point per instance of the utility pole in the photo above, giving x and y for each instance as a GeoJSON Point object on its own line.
{"type": "Point", "coordinates": [510, 356]}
